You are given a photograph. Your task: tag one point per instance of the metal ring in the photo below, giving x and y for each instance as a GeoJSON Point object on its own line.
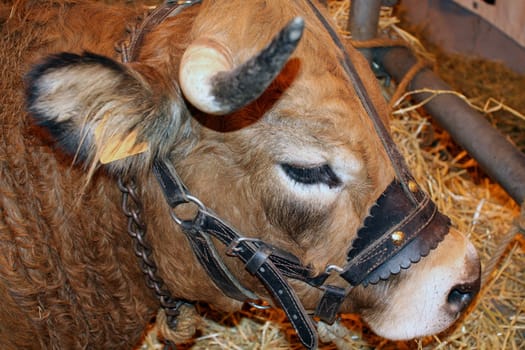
{"type": "Point", "coordinates": [258, 306]}
{"type": "Point", "coordinates": [185, 2]}
{"type": "Point", "coordinates": [190, 199]}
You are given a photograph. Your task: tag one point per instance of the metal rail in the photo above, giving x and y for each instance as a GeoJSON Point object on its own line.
{"type": "Point", "coordinates": [363, 22]}
{"type": "Point", "coordinates": [503, 162]}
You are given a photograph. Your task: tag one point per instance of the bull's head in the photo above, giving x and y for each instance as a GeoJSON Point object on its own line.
{"type": "Point", "coordinates": [274, 141]}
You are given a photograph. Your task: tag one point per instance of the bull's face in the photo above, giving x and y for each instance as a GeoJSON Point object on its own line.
{"type": "Point", "coordinates": [298, 164]}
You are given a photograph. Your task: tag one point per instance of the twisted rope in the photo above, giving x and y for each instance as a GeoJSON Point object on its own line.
{"type": "Point", "coordinates": [412, 72]}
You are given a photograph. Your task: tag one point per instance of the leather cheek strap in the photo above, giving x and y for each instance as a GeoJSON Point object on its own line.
{"type": "Point", "coordinates": [176, 193]}
{"type": "Point", "coordinates": [258, 263]}
{"type": "Point", "coordinates": [260, 259]}
{"type": "Point", "coordinates": [210, 260]}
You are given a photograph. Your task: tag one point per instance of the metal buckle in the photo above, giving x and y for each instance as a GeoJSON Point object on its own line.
{"type": "Point", "coordinates": [233, 246]}
{"type": "Point", "coordinates": [184, 2]}
{"type": "Point", "coordinates": [262, 306]}
{"type": "Point", "coordinates": [190, 199]}
{"type": "Point", "coordinates": [331, 268]}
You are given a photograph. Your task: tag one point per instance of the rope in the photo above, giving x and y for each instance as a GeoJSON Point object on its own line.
{"type": "Point", "coordinates": [412, 72]}
{"type": "Point", "coordinates": [337, 333]}
{"type": "Point", "coordinates": [378, 42]}
{"type": "Point", "coordinates": [188, 323]}
{"type": "Point", "coordinates": [403, 84]}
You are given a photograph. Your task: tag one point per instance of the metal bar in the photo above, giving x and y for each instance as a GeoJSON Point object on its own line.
{"type": "Point", "coordinates": [364, 18]}
{"type": "Point", "coordinates": [503, 162]}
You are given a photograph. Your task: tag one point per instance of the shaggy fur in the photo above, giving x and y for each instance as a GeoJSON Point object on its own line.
{"type": "Point", "coordinates": [68, 275]}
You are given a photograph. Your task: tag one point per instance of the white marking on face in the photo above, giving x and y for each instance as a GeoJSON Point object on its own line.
{"type": "Point", "coordinates": [307, 191]}
{"type": "Point", "coordinates": [419, 306]}
{"type": "Point", "coordinates": [348, 167]}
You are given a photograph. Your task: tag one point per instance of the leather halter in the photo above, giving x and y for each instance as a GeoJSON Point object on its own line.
{"type": "Point", "coordinates": [402, 227]}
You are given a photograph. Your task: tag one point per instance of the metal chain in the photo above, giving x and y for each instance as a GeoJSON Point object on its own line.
{"type": "Point", "coordinates": [132, 208]}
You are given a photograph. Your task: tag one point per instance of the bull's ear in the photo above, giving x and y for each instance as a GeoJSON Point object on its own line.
{"type": "Point", "coordinates": [99, 110]}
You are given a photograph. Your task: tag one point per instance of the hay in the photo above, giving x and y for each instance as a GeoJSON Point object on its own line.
{"type": "Point", "coordinates": [489, 84]}
{"type": "Point", "coordinates": [477, 206]}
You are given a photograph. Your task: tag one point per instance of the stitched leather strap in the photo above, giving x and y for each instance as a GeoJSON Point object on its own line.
{"type": "Point", "coordinates": [374, 255]}
{"type": "Point", "coordinates": [256, 255]}
{"type": "Point", "coordinates": [393, 223]}
{"type": "Point", "coordinates": [267, 273]}
{"type": "Point", "coordinates": [174, 190]}
{"type": "Point", "coordinates": [205, 251]}
{"type": "Point", "coordinates": [330, 303]}
{"type": "Point", "coordinates": [397, 160]}
{"type": "Point", "coordinates": [175, 193]}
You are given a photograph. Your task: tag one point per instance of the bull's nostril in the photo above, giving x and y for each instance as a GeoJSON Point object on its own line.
{"type": "Point", "coordinates": [459, 299]}
{"type": "Point", "coordinates": [462, 295]}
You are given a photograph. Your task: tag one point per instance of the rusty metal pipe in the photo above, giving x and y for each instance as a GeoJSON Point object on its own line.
{"type": "Point", "coordinates": [503, 162]}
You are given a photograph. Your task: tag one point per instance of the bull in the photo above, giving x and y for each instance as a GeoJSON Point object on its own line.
{"type": "Point", "coordinates": [251, 153]}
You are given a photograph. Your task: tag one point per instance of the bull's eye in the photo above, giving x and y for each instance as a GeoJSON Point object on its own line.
{"type": "Point", "coordinates": [312, 176]}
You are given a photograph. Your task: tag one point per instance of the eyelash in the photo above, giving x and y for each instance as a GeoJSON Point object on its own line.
{"type": "Point", "coordinates": [311, 176]}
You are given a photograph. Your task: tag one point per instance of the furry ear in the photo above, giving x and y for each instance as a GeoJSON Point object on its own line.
{"type": "Point", "coordinates": [102, 111]}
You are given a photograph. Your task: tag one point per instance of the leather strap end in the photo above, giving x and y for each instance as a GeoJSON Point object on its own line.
{"type": "Point", "coordinates": [330, 303]}
{"type": "Point", "coordinates": [258, 259]}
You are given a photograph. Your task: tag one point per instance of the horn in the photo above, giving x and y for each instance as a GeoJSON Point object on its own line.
{"type": "Point", "coordinates": [211, 83]}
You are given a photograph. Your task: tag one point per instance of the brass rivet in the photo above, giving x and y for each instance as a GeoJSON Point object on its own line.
{"type": "Point", "coordinates": [398, 237]}
{"type": "Point", "coordinates": [412, 186]}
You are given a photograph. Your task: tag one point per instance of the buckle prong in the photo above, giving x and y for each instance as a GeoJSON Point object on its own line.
{"type": "Point", "coordinates": [233, 247]}
{"type": "Point", "coordinates": [261, 306]}
{"type": "Point", "coordinates": [332, 268]}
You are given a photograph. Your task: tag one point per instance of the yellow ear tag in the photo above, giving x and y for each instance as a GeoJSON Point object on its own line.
{"type": "Point", "coordinates": [116, 147]}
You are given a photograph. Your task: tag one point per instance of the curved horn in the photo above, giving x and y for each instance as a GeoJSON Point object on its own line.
{"type": "Point", "coordinates": [211, 83]}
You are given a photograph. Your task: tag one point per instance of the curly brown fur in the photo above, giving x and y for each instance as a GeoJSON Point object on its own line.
{"type": "Point", "coordinates": [68, 278]}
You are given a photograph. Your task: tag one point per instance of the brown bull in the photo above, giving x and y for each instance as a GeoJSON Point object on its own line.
{"type": "Point", "coordinates": [297, 164]}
